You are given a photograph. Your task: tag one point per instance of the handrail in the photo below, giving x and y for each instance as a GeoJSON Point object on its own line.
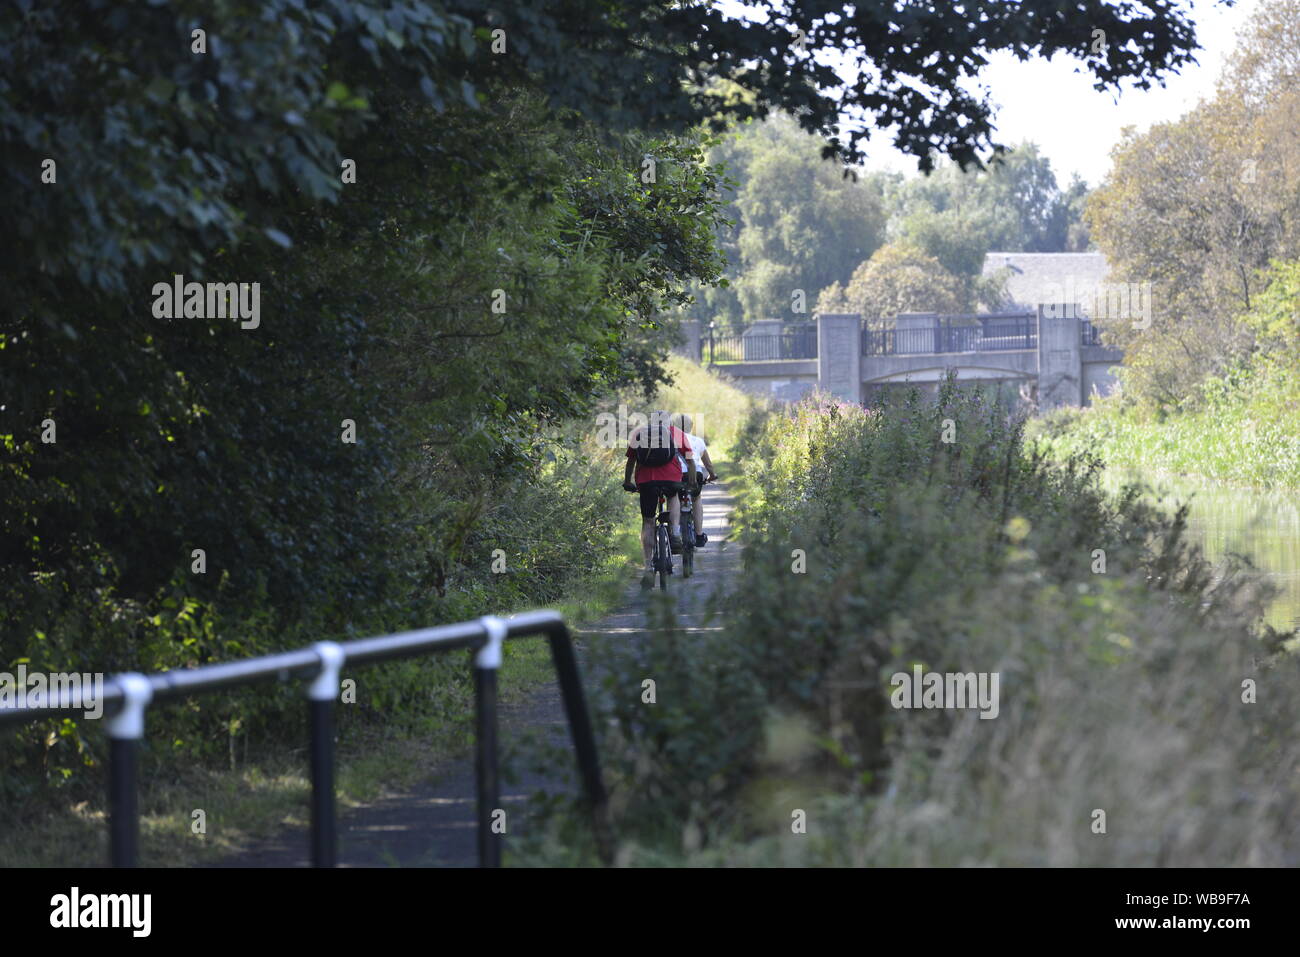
{"type": "Point", "coordinates": [126, 697]}
{"type": "Point", "coordinates": [995, 332]}
{"type": "Point", "coordinates": [799, 343]}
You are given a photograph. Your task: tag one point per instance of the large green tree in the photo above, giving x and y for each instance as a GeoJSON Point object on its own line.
{"type": "Point", "coordinates": [899, 277]}
{"type": "Point", "coordinates": [805, 223]}
{"type": "Point", "coordinates": [1015, 205]}
{"type": "Point", "coordinates": [1197, 207]}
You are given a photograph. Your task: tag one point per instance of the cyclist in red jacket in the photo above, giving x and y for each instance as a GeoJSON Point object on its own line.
{"type": "Point", "coordinates": [652, 452]}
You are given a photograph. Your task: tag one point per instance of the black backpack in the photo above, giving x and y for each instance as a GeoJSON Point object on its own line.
{"type": "Point", "coordinates": [661, 452]}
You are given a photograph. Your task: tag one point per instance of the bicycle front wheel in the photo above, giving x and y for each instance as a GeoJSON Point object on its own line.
{"type": "Point", "coordinates": [688, 548]}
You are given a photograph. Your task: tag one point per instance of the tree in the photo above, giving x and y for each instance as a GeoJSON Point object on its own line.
{"type": "Point", "coordinates": [805, 224]}
{"type": "Point", "coordinates": [1014, 206]}
{"type": "Point", "coordinates": [1197, 208]}
{"type": "Point", "coordinates": [899, 277]}
{"type": "Point", "coordinates": [194, 433]}
{"type": "Point", "coordinates": [179, 152]}
{"type": "Point", "coordinates": [1077, 237]}
{"type": "Point", "coordinates": [795, 223]}
{"type": "Point", "coordinates": [1274, 318]}
{"type": "Point", "coordinates": [957, 237]}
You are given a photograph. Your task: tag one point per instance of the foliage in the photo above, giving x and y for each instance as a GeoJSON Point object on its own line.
{"type": "Point", "coordinates": [148, 132]}
{"type": "Point", "coordinates": [1197, 207]}
{"type": "Point", "coordinates": [899, 277]}
{"type": "Point", "coordinates": [1118, 689]}
{"type": "Point", "coordinates": [1013, 206]}
{"type": "Point", "coordinates": [806, 224]}
{"type": "Point", "coordinates": [798, 223]}
{"type": "Point", "coordinates": [1254, 401]}
{"type": "Point", "coordinates": [196, 434]}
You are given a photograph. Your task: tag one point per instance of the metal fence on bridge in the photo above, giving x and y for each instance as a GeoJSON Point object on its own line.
{"type": "Point", "coordinates": [989, 332]}
{"type": "Point", "coordinates": [126, 697]}
{"type": "Point", "coordinates": [799, 344]}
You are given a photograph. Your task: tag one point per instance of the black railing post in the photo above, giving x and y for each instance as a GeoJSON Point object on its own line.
{"type": "Point", "coordinates": [584, 741]}
{"type": "Point", "coordinates": [710, 343]}
{"type": "Point", "coordinates": [487, 660]}
{"type": "Point", "coordinates": [125, 730]}
{"type": "Point", "coordinates": [322, 694]}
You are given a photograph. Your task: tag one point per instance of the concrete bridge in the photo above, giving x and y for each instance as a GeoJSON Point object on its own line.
{"type": "Point", "coordinates": [1049, 360]}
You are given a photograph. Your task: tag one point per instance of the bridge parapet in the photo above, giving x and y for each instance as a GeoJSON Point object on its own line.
{"type": "Point", "coordinates": [1059, 355]}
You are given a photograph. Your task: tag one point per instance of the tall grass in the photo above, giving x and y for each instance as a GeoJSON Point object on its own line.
{"type": "Point", "coordinates": [1246, 432]}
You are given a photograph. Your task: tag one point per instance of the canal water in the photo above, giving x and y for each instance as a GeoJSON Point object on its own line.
{"type": "Point", "coordinates": [1262, 525]}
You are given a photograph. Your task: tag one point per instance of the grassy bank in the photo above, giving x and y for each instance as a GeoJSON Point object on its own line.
{"type": "Point", "coordinates": [1240, 430]}
{"type": "Point", "coordinates": [1141, 720]}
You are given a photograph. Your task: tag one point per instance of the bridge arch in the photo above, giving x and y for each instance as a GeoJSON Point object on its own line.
{"type": "Point", "coordinates": [964, 372]}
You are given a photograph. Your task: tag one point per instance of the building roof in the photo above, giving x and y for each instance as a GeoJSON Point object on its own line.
{"type": "Point", "coordinates": [1040, 278]}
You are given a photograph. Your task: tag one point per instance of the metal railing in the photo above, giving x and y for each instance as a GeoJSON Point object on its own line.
{"type": "Point", "coordinates": [996, 332]}
{"type": "Point", "coordinates": [786, 345]}
{"type": "Point", "coordinates": [126, 697]}
{"type": "Point", "coordinates": [1089, 334]}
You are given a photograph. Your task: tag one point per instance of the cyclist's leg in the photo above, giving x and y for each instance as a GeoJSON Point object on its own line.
{"type": "Point", "coordinates": [675, 518]}
{"type": "Point", "coordinates": [649, 496]}
{"type": "Point", "coordinates": [689, 531]}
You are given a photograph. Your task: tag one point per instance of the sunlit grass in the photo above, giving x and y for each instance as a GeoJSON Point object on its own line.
{"type": "Point", "coordinates": [1247, 438]}
{"type": "Point", "coordinates": [718, 407]}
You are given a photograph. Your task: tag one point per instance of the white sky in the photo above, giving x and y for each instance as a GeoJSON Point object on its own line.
{"type": "Point", "coordinates": [1075, 126]}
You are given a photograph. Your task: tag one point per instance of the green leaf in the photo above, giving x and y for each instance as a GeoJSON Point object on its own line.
{"type": "Point", "coordinates": [160, 89]}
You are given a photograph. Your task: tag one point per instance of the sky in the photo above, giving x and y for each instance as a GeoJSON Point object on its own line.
{"type": "Point", "coordinates": [1074, 125]}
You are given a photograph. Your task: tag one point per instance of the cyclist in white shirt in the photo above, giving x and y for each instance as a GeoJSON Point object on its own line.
{"type": "Point", "coordinates": [701, 450]}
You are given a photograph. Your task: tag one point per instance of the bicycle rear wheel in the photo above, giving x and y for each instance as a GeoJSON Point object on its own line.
{"type": "Point", "coordinates": [665, 562]}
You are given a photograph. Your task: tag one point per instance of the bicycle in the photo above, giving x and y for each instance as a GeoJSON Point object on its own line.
{"type": "Point", "coordinates": [663, 556]}
{"type": "Point", "coordinates": [663, 553]}
{"type": "Point", "coordinates": [688, 529]}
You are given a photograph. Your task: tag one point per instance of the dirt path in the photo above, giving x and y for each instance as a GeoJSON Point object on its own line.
{"type": "Point", "coordinates": [434, 824]}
